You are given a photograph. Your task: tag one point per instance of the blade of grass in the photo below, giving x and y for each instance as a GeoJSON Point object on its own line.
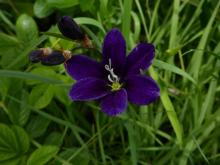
{"type": "Point", "coordinates": [143, 19]}
{"type": "Point", "coordinates": [154, 16]}
{"type": "Point", "coordinates": [132, 144]}
{"type": "Point", "coordinates": [100, 138]}
{"type": "Point", "coordinates": [172, 68]}
{"type": "Point", "coordinates": [196, 60]}
{"type": "Point", "coordinates": [174, 24]}
{"type": "Point", "coordinates": [210, 96]}
{"type": "Point", "coordinates": [89, 21]}
{"type": "Point", "coordinates": [25, 75]}
{"type": "Point", "coordinates": [192, 20]}
{"type": "Point", "coordinates": [126, 19]}
{"type": "Point", "coordinates": [7, 21]}
{"type": "Point", "coordinates": [171, 113]}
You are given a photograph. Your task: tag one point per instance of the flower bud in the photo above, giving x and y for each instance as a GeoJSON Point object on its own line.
{"type": "Point", "coordinates": [69, 28]}
{"type": "Point", "coordinates": [55, 58]}
{"type": "Point", "coordinates": [36, 55]}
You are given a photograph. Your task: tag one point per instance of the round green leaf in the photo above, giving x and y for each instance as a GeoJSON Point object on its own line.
{"type": "Point", "coordinates": [42, 155]}
{"type": "Point", "coordinates": [41, 96]}
{"type": "Point", "coordinates": [41, 9]}
{"type": "Point", "coordinates": [14, 142]}
{"type": "Point", "coordinates": [26, 28]}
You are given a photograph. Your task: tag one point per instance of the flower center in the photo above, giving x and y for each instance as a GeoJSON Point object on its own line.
{"type": "Point", "coordinates": [112, 77]}
{"type": "Point", "coordinates": [116, 86]}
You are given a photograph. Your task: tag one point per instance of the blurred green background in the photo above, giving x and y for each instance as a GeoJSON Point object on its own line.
{"type": "Point", "coordinates": [39, 124]}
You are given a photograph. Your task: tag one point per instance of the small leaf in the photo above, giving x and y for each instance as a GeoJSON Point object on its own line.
{"type": "Point", "coordinates": [78, 158]}
{"type": "Point", "coordinates": [8, 143]}
{"type": "Point", "coordinates": [89, 21]}
{"type": "Point", "coordinates": [60, 4]}
{"type": "Point", "coordinates": [54, 138]}
{"type": "Point", "coordinates": [26, 28]}
{"type": "Point", "coordinates": [37, 126]}
{"type": "Point", "coordinates": [41, 9]}
{"type": "Point", "coordinates": [14, 142]}
{"type": "Point", "coordinates": [41, 96]}
{"type": "Point", "coordinates": [22, 139]}
{"type": "Point", "coordinates": [42, 155]}
{"type": "Point", "coordinates": [24, 111]}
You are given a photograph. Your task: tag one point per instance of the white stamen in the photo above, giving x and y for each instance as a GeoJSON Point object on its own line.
{"type": "Point", "coordinates": [112, 77]}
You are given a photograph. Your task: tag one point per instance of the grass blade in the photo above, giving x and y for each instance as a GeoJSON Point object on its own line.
{"type": "Point", "coordinates": [172, 68]}
{"type": "Point", "coordinates": [24, 75]}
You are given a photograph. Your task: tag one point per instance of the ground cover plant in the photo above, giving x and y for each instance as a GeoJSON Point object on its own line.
{"type": "Point", "coordinates": [40, 123]}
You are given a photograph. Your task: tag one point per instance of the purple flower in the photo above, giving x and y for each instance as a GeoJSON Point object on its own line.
{"type": "Point", "coordinates": [116, 79]}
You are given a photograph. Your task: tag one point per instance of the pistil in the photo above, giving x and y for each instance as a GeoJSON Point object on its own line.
{"type": "Point", "coordinates": [112, 77]}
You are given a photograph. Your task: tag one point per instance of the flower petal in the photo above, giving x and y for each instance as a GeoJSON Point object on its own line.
{"type": "Point", "coordinates": [140, 58]}
{"type": "Point", "coordinates": [114, 103]}
{"type": "Point", "coordinates": [89, 89]}
{"type": "Point", "coordinates": [141, 89]}
{"type": "Point", "coordinates": [114, 48]}
{"type": "Point", "coordinates": [80, 67]}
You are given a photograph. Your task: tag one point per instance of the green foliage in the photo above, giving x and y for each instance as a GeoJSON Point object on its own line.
{"type": "Point", "coordinates": [26, 28]}
{"type": "Point", "coordinates": [42, 155]}
{"type": "Point", "coordinates": [41, 125]}
{"type": "Point", "coordinates": [14, 143]}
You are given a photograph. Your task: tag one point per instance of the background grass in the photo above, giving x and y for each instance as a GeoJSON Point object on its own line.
{"type": "Point", "coordinates": [41, 125]}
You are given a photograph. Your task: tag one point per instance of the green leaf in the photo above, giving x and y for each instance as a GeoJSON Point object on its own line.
{"type": "Point", "coordinates": [8, 143]}
{"type": "Point", "coordinates": [37, 126]}
{"type": "Point", "coordinates": [67, 154]}
{"type": "Point", "coordinates": [14, 142]}
{"type": "Point", "coordinates": [21, 57]}
{"type": "Point", "coordinates": [89, 21]}
{"type": "Point", "coordinates": [171, 113]}
{"type": "Point", "coordinates": [23, 75]}
{"type": "Point", "coordinates": [197, 58]}
{"type": "Point", "coordinates": [173, 68]}
{"type": "Point", "coordinates": [86, 5]}
{"type": "Point", "coordinates": [126, 17]}
{"type": "Point", "coordinates": [61, 93]}
{"type": "Point", "coordinates": [7, 41]}
{"type": "Point", "coordinates": [41, 9]}
{"type": "Point", "coordinates": [18, 113]}
{"type": "Point", "coordinates": [41, 96]}
{"type": "Point", "coordinates": [60, 4]}
{"type": "Point", "coordinates": [4, 84]}
{"type": "Point", "coordinates": [9, 47]}
{"type": "Point", "coordinates": [24, 112]}
{"type": "Point", "coordinates": [26, 28]}
{"type": "Point", "coordinates": [45, 72]}
{"type": "Point", "coordinates": [14, 161]}
{"type": "Point", "coordinates": [42, 155]}
{"type": "Point", "coordinates": [22, 139]}
{"type": "Point", "coordinates": [54, 138]}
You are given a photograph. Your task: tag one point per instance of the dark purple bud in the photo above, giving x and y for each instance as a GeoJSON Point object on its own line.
{"type": "Point", "coordinates": [35, 56]}
{"type": "Point", "coordinates": [55, 58]}
{"type": "Point", "coordinates": [69, 28]}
